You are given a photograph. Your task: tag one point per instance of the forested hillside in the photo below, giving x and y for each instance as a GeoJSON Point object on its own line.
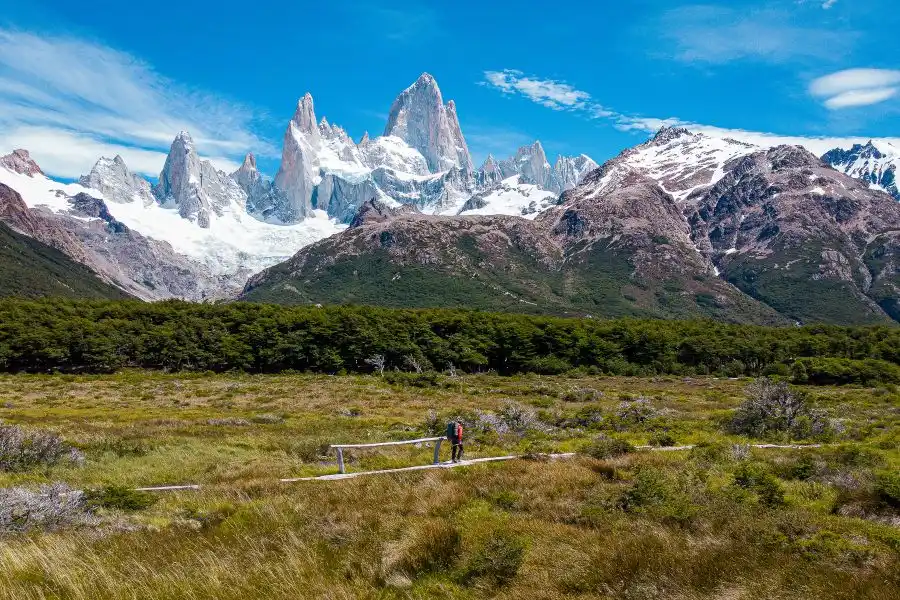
{"type": "Point", "coordinates": [31, 269]}
{"type": "Point", "coordinates": [103, 336]}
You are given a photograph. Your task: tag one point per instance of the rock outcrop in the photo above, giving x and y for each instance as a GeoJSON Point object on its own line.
{"type": "Point", "coordinates": [20, 161]}
{"type": "Point", "coordinates": [112, 178]}
{"type": "Point", "coordinates": [420, 118]}
{"type": "Point", "coordinates": [194, 186]}
{"type": "Point", "coordinates": [868, 163]}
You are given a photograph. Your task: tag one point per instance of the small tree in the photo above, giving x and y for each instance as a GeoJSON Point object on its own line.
{"type": "Point", "coordinates": [773, 408]}
{"type": "Point", "coordinates": [377, 362]}
{"type": "Point", "coordinates": [414, 363]}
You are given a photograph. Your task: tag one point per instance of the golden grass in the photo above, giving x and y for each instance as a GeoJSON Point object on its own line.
{"type": "Point", "coordinates": [417, 535]}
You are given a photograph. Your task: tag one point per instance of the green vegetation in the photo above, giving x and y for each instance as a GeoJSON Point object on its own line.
{"type": "Point", "coordinates": [103, 336]}
{"type": "Point", "coordinates": [799, 293]}
{"type": "Point", "coordinates": [720, 520]}
{"type": "Point", "coordinates": [31, 269]}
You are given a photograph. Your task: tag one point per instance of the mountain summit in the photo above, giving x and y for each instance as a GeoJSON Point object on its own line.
{"type": "Point", "coordinates": [420, 118]}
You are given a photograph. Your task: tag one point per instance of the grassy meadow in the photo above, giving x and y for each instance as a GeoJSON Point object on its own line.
{"type": "Point", "coordinates": [718, 521]}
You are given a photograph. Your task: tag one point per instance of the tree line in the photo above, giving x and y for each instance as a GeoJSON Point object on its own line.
{"type": "Point", "coordinates": [99, 336]}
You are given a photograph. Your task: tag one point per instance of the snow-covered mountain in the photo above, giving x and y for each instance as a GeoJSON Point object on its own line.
{"type": "Point", "coordinates": [220, 228]}
{"type": "Point", "coordinates": [876, 165]}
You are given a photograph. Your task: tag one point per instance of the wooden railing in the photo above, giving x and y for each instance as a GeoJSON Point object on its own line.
{"type": "Point", "coordinates": [341, 447]}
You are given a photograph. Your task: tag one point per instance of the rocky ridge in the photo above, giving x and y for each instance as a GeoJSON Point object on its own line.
{"type": "Point", "coordinates": [867, 162]}
{"type": "Point", "coordinates": [684, 225]}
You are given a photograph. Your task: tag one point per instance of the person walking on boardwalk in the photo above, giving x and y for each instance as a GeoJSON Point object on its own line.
{"type": "Point", "coordinates": [455, 437]}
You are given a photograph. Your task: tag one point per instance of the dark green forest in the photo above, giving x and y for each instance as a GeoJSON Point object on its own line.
{"type": "Point", "coordinates": [32, 269]}
{"type": "Point", "coordinates": [99, 336]}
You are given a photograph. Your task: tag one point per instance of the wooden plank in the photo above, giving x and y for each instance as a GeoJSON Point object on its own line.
{"type": "Point", "coordinates": [168, 488]}
{"type": "Point", "coordinates": [381, 444]}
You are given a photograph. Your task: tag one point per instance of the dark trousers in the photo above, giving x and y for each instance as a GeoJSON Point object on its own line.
{"type": "Point", "coordinates": [457, 450]}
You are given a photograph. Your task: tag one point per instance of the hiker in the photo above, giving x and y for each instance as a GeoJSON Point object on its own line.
{"type": "Point", "coordinates": [455, 437]}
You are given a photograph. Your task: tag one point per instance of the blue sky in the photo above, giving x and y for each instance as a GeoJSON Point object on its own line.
{"type": "Point", "coordinates": [80, 80]}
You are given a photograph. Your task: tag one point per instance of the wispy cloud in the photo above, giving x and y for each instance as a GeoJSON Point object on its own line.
{"type": "Point", "coordinates": [856, 87]}
{"type": "Point", "coordinates": [716, 35]}
{"type": "Point", "coordinates": [557, 95]}
{"type": "Point", "coordinates": [69, 101]}
{"type": "Point", "coordinates": [584, 105]}
{"type": "Point", "coordinates": [828, 4]}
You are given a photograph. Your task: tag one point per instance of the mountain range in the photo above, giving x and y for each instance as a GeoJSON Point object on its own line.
{"type": "Point", "coordinates": [684, 225]}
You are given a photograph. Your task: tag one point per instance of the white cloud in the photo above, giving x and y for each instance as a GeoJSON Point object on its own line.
{"type": "Point", "coordinates": [834, 86]}
{"type": "Point", "coordinates": [70, 101]}
{"type": "Point", "coordinates": [860, 98]}
{"type": "Point", "coordinates": [828, 4]}
{"type": "Point", "coordinates": [552, 94]}
{"type": "Point", "coordinates": [856, 87]}
{"type": "Point", "coordinates": [717, 35]}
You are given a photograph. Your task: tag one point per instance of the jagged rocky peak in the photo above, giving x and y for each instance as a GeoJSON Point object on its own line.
{"type": "Point", "coordinates": [876, 166]}
{"type": "Point", "coordinates": [111, 177]}
{"type": "Point", "coordinates": [378, 211]}
{"type": "Point", "coordinates": [194, 186]}
{"type": "Point", "coordinates": [305, 116]}
{"type": "Point", "coordinates": [20, 161]}
{"type": "Point", "coordinates": [571, 170]}
{"type": "Point", "coordinates": [364, 139]}
{"type": "Point", "coordinates": [668, 134]}
{"type": "Point", "coordinates": [421, 119]}
{"type": "Point", "coordinates": [490, 165]}
{"type": "Point", "coordinates": [531, 163]}
{"type": "Point", "coordinates": [299, 164]}
{"type": "Point", "coordinates": [247, 174]}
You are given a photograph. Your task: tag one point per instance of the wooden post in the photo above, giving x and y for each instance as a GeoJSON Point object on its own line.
{"type": "Point", "coordinates": [437, 450]}
{"type": "Point", "coordinates": [340, 452]}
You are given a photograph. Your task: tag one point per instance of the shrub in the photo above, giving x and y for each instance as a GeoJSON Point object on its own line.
{"type": "Point", "coordinates": [228, 422]}
{"type": "Point", "coordinates": [604, 447]}
{"type": "Point", "coordinates": [51, 507]}
{"type": "Point", "coordinates": [267, 419]}
{"type": "Point", "coordinates": [662, 439]}
{"type": "Point", "coordinates": [426, 379]}
{"type": "Point", "coordinates": [887, 486]}
{"type": "Point", "coordinates": [772, 408]}
{"type": "Point", "coordinates": [121, 447]}
{"type": "Point", "coordinates": [21, 449]}
{"type": "Point", "coordinates": [637, 412]}
{"type": "Point", "coordinates": [582, 395]}
{"type": "Point", "coordinates": [755, 478]}
{"type": "Point", "coordinates": [496, 562]}
{"type": "Point", "coordinates": [844, 371]}
{"type": "Point", "coordinates": [433, 546]}
{"type": "Point", "coordinates": [119, 498]}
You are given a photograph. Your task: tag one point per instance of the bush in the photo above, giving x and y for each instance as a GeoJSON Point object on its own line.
{"type": "Point", "coordinates": [433, 546]}
{"type": "Point", "coordinates": [427, 379]}
{"type": "Point", "coordinates": [657, 495]}
{"type": "Point", "coordinates": [267, 419]}
{"type": "Point", "coordinates": [605, 447]}
{"type": "Point", "coordinates": [887, 486]}
{"type": "Point", "coordinates": [755, 478]}
{"type": "Point", "coordinates": [228, 422]}
{"type": "Point", "coordinates": [496, 562]}
{"type": "Point", "coordinates": [582, 395]}
{"type": "Point", "coordinates": [662, 439]}
{"type": "Point", "coordinates": [637, 412]}
{"type": "Point", "coordinates": [773, 409]}
{"type": "Point", "coordinates": [121, 447]}
{"type": "Point", "coordinates": [51, 507]}
{"type": "Point", "coordinates": [21, 449]}
{"type": "Point", "coordinates": [119, 498]}
{"type": "Point", "coordinates": [844, 371]}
